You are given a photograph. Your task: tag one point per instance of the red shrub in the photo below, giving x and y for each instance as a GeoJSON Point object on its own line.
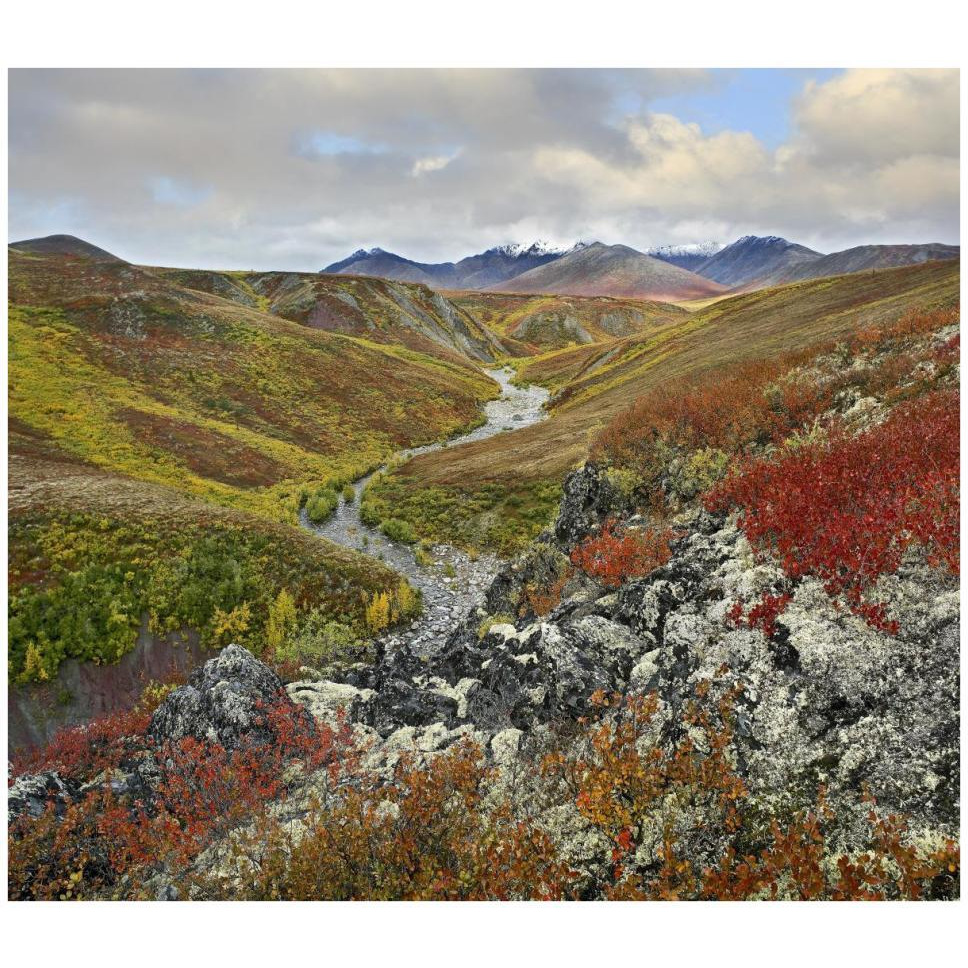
{"type": "Point", "coordinates": [203, 792]}
{"type": "Point", "coordinates": [79, 752]}
{"type": "Point", "coordinates": [612, 557]}
{"type": "Point", "coordinates": [847, 510]}
{"type": "Point", "coordinates": [763, 614]}
{"type": "Point", "coordinates": [739, 407]}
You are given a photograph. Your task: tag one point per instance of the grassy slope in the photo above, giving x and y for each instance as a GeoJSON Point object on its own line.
{"type": "Point", "coordinates": [530, 325]}
{"type": "Point", "coordinates": [91, 552]}
{"type": "Point", "coordinates": [380, 310]}
{"type": "Point", "coordinates": [595, 382]}
{"type": "Point", "coordinates": [127, 370]}
{"type": "Point", "coordinates": [161, 439]}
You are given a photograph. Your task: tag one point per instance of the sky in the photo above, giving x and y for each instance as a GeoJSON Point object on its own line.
{"type": "Point", "coordinates": [294, 169]}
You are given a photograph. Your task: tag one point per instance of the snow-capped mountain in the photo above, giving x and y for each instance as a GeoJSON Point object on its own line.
{"type": "Point", "coordinates": [539, 248]}
{"type": "Point", "coordinates": [689, 256]}
{"type": "Point", "coordinates": [496, 265]}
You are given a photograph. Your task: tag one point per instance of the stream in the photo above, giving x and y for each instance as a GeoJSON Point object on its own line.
{"type": "Point", "coordinates": [453, 583]}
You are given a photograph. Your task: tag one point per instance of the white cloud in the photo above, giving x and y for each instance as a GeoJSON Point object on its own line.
{"type": "Point", "coordinates": [432, 163]}
{"type": "Point", "coordinates": [873, 157]}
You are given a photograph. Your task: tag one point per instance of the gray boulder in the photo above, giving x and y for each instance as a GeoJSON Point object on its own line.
{"type": "Point", "coordinates": [32, 793]}
{"type": "Point", "coordinates": [223, 702]}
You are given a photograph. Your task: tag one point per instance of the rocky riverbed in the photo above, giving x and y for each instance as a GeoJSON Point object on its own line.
{"type": "Point", "coordinates": [454, 582]}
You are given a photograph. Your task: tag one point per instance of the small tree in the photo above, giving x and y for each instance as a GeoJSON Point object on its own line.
{"type": "Point", "coordinates": [281, 624]}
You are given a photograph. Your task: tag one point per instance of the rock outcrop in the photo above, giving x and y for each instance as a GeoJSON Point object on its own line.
{"type": "Point", "coordinates": [822, 701]}
{"type": "Point", "coordinates": [223, 702]}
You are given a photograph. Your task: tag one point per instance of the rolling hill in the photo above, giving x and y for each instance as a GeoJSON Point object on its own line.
{"type": "Point", "coordinates": [123, 368]}
{"type": "Point", "coordinates": [865, 258]}
{"type": "Point", "coordinates": [67, 245]}
{"type": "Point", "coordinates": [612, 270]}
{"type": "Point", "coordinates": [380, 310]}
{"type": "Point", "coordinates": [535, 324]}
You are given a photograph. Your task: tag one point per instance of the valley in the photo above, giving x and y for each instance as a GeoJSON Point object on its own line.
{"type": "Point", "coordinates": [368, 410]}
{"type": "Point", "coordinates": [450, 581]}
{"type": "Point", "coordinates": [407, 524]}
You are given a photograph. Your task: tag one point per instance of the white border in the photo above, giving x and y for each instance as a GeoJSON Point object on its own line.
{"type": "Point", "coordinates": [497, 33]}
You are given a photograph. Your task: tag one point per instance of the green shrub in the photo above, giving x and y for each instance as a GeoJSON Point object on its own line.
{"type": "Point", "coordinates": [349, 493]}
{"type": "Point", "coordinates": [397, 530]}
{"type": "Point", "coordinates": [322, 504]}
{"type": "Point", "coordinates": [320, 639]}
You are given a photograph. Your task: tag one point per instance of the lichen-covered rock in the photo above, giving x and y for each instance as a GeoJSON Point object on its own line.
{"type": "Point", "coordinates": [223, 701]}
{"type": "Point", "coordinates": [333, 703]}
{"type": "Point", "coordinates": [588, 498]}
{"type": "Point", "coordinates": [32, 793]}
{"type": "Point", "coordinates": [402, 703]}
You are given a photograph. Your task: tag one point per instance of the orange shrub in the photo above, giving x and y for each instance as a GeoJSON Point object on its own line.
{"type": "Point", "coordinates": [612, 556]}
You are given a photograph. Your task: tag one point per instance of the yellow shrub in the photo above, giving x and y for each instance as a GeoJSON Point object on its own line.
{"type": "Point", "coordinates": [378, 612]}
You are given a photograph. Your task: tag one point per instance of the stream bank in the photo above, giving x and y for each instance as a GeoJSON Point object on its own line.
{"type": "Point", "coordinates": [454, 582]}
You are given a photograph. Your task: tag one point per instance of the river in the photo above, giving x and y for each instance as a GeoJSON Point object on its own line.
{"type": "Point", "coordinates": [454, 582]}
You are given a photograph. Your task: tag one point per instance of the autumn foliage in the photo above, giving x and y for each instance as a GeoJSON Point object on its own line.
{"type": "Point", "coordinates": [613, 556]}
{"type": "Point", "coordinates": [447, 829]}
{"type": "Point", "coordinates": [737, 411]}
{"type": "Point", "coordinates": [201, 792]}
{"type": "Point", "coordinates": [847, 509]}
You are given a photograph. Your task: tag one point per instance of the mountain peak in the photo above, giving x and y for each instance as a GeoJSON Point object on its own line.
{"type": "Point", "coordinates": [706, 249]}
{"type": "Point", "coordinates": [65, 245]}
{"type": "Point", "coordinates": [763, 240]}
{"type": "Point", "coordinates": [540, 247]}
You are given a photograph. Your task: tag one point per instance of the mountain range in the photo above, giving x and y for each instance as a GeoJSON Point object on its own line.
{"type": "Point", "coordinates": [671, 272]}
{"type": "Point", "coordinates": [480, 271]}
{"type": "Point", "coordinates": [612, 270]}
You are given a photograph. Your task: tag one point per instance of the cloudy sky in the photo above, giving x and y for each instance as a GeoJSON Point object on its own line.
{"type": "Point", "coordinates": [294, 169]}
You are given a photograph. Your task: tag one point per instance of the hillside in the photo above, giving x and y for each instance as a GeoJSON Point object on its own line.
{"type": "Point", "coordinates": [863, 258]}
{"type": "Point", "coordinates": [759, 260]}
{"type": "Point", "coordinates": [612, 270]}
{"type": "Point", "coordinates": [121, 367]}
{"type": "Point", "coordinates": [536, 324]}
{"type": "Point", "coordinates": [93, 554]}
{"type": "Point", "coordinates": [67, 245]}
{"type": "Point", "coordinates": [593, 383]}
{"type": "Point", "coordinates": [380, 310]}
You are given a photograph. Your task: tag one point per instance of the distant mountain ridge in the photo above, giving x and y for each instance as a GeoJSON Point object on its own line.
{"type": "Point", "coordinates": [612, 270]}
{"type": "Point", "coordinates": [864, 257]}
{"type": "Point", "coordinates": [764, 260]}
{"type": "Point", "coordinates": [488, 268]}
{"type": "Point", "coordinates": [670, 273]}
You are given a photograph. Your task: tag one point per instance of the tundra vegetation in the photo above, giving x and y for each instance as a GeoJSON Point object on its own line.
{"type": "Point", "coordinates": [491, 494]}
{"type": "Point", "coordinates": [167, 429]}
